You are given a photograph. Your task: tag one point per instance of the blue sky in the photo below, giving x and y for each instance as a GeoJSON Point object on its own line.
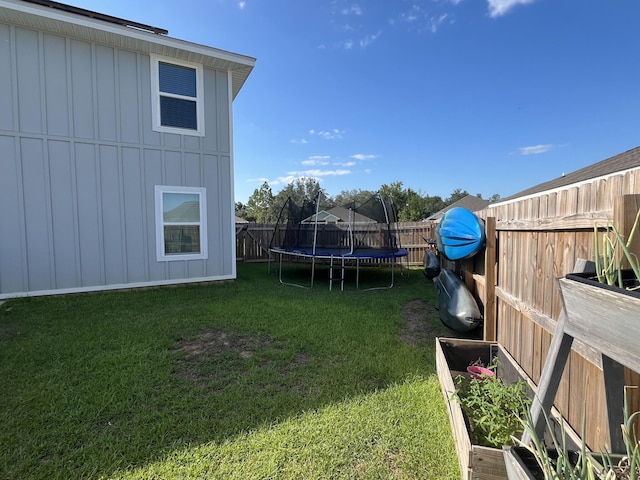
{"type": "Point", "coordinates": [488, 96]}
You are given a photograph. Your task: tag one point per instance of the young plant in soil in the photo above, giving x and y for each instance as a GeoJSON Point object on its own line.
{"type": "Point", "coordinates": [494, 408]}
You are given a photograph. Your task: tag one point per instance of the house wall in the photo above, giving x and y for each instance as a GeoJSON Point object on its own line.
{"type": "Point", "coordinates": [79, 162]}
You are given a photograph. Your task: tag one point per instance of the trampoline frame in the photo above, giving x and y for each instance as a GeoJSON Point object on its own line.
{"type": "Point", "coordinates": [349, 255]}
{"type": "Point", "coordinates": [342, 259]}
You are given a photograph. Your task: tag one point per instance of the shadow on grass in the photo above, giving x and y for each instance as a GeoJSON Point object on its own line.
{"type": "Point", "coordinates": [94, 384]}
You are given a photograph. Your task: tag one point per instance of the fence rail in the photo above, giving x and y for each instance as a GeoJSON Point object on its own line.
{"type": "Point", "coordinates": [253, 240]}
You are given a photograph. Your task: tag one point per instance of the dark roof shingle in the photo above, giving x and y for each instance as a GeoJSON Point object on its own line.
{"type": "Point", "coordinates": [617, 163]}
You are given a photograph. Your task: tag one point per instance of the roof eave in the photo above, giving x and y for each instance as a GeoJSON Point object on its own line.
{"type": "Point", "coordinates": [86, 28]}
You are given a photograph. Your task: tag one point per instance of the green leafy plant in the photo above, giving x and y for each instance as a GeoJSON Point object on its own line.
{"type": "Point", "coordinates": [608, 266]}
{"type": "Point", "coordinates": [493, 407]}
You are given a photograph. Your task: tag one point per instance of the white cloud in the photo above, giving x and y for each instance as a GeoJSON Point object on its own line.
{"type": "Point", "coordinates": [415, 13]}
{"type": "Point", "coordinates": [437, 21]}
{"type": "Point", "coordinates": [283, 180]}
{"type": "Point", "coordinates": [498, 8]}
{"type": "Point", "coordinates": [346, 44]}
{"type": "Point", "coordinates": [421, 19]}
{"type": "Point", "coordinates": [363, 156]}
{"type": "Point", "coordinates": [332, 134]}
{"type": "Point", "coordinates": [317, 160]}
{"type": "Point", "coordinates": [535, 149]}
{"type": "Point", "coordinates": [318, 173]}
{"type": "Point", "coordinates": [352, 10]}
{"type": "Point", "coordinates": [325, 173]}
{"type": "Point", "coordinates": [299, 141]}
{"type": "Point", "coordinates": [242, 5]}
{"type": "Point", "coordinates": [345, 164]}
{"type": "Point", "coordinates": [369, 39]}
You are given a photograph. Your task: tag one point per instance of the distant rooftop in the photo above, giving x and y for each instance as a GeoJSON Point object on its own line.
{"type": "Point", "coordinates": [472, 203]}
{"type": "Point", "coordinates": [618, 163]}
{"type": "Point", "coordinates": [98, 16]}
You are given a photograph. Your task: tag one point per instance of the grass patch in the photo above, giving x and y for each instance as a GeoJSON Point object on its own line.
{"type": "Point", "coordinates": [245, 379]}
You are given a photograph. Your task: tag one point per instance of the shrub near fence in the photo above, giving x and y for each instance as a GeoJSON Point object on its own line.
{"type": "Point", "coordinates": [253, 240]}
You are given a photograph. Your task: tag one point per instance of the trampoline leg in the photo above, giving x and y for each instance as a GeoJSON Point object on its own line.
{"type": "Point", "coordinates": [280, 269]}
{"type": "Point", "coordinates": [393, 264]}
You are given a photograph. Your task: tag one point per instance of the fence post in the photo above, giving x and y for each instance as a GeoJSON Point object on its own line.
{"type": "Point", "coordinates": [490, 268]}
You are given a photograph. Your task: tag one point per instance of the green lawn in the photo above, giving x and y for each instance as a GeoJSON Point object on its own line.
{"type": "Point", "coordinates": [245, 379]}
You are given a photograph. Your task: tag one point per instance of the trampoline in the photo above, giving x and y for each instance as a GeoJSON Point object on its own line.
{"type": "Point", "coordinates": [338, 236]}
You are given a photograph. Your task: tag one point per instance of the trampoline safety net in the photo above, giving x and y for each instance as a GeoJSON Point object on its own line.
{"type": "Point", "coordinates": [319, 227]}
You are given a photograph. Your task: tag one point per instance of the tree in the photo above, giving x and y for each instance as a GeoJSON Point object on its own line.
{"type": "Point", "coordinates": [301, 189]}
{"type": "Point", "coordinates": [456, 195]}
{"type": "Point", "coordinates": [241, 210]}
{"type": "Point", "coordinates": [396, 194]}
{"type": "Point", "coordinates": [433, 205]}
{"type": "Point", "coordinates": [415, 208]}
{"type": "Point", "coordinates": [303, 192]}
{"type": "Point", "coordinates": [260, 205]}
{"type": "Point", "coordinates": [353, 197]}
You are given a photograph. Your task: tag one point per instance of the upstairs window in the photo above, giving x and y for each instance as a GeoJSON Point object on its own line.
{"type": "Point", "coordinates": [177, 96]}
{"type": "Point", "coordinates": [181, 229]}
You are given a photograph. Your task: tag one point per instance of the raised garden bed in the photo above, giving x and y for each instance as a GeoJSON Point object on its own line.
{"type": "Point", "coordinates": [452, 358]}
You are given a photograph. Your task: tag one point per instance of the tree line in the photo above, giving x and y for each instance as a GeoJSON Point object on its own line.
{"type": "Point", "coordinates": [411, 206]}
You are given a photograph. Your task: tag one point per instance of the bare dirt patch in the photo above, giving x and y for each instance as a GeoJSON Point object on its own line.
{"type": "Point", "coordinates": [217, 355]}
{"type": "Point", "coordinates": [213, 343]}
{"type": "Point", "coordinates": [420, 323]}
{"type": "Point", "coordinates": [219, 358]}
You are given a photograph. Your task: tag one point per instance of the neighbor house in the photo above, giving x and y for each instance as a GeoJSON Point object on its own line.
{"type": "Point", "coordinates": [116, 153]}
{"type": "Point", "coordinates": [339, 216]}
{"type": "Point", "coordinates": [472, 203]}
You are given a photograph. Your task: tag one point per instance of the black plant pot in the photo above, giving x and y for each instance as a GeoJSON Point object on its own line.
{"type": "Point", "coordinates": [522, 464]}
{"type": "Point", "coordinates": [629, 281]}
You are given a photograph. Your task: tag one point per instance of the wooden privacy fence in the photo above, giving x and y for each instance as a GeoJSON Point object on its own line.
{"type": "Point", "coordinates": [531, 242]}
{"type": "Point", "coordinates": [253, 240]}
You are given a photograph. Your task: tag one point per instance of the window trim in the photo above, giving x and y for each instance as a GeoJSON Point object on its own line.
{"type": "Point", "coordinates": [156, 94]}
{"type": "Point", "coordinates": [161, 256]}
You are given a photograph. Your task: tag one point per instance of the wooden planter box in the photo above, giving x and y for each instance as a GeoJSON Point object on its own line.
{"type": "Point", "coordinates": [605, 317]}
{"type": "Point", "coordinates": [453, 355]}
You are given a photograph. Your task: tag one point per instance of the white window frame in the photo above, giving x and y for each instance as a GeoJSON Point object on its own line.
{"type": "Point", "coordinates": [156, 93]}
{"type": "Point", "coordinates": [161, 256]}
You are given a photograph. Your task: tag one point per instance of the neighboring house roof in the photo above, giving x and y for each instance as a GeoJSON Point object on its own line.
{"type": "Point", "coordinates": [338, 215]}
{"type": "Point", "coordinates": [472, 203]}
{"type": "Point", "coordinates": [92, 26]}
{"type": "Point", "coordinates": [185, 212]}
{"type": "Point", "coordinates": [241, 220]}
{"type": "Point", "coordinates": [618, 163]}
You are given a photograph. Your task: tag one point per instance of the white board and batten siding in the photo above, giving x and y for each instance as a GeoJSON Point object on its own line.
{"type": "Point", "coordinates": [79, 161]}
